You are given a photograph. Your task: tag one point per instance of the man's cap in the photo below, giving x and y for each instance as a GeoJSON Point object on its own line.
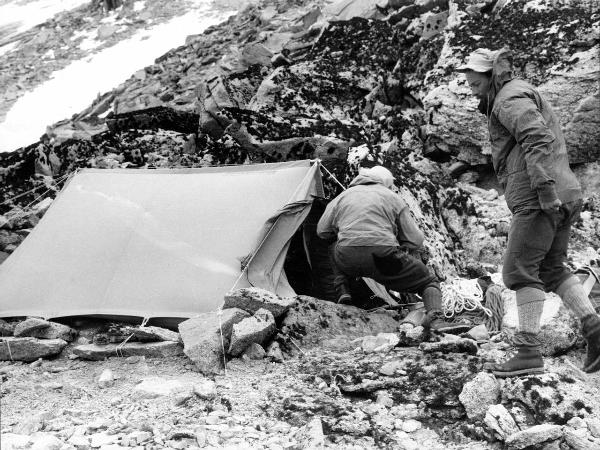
{"type": "Point", "coordinates": [379, 172]}
{"type": "Point", "coordinates": [480, 60]}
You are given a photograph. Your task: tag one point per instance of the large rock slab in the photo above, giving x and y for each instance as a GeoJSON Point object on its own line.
{"type": "Point", "coordinates": [478, 394]}
{"type": "Point", "coordinates": [534, 435]}
{"type": "Point", "coordinates": [311, 321]}
{"type": "Point", "coordinates": [256, 329]}
{"type": "Point", "coordinates": [154, 387]}
{"type": "Point", "coordinates": [500, 421]}
{"type": "Point", "coordinates": [44, 329]}
{"type": "Point", "coordinates": [30, 325]}
{"type": "Point", "coordinates": [29, 348]}
{"type": "Point", "coordinates": [156, 334]}
{"type": "Point", "coordinates": [252, 299]}
{"type": "Point", "coordinates": [149, 349]}
{"type": "Point", "coordinates": [204, 338]}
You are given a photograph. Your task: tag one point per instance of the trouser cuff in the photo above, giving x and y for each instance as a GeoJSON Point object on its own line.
{"type": "Point", "coordinates": [528, 295]}
{"type": "Point", "coordinates": [522, 339]}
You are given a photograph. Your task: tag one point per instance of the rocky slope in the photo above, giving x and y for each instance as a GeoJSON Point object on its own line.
{"type": "Point", "coordinates": [288, 80]}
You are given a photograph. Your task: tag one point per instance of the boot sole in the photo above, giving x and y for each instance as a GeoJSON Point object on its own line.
{"type": "Point", "coordinates": [520, 372]}
{"type": "Point", "coordinates": [593, 367]}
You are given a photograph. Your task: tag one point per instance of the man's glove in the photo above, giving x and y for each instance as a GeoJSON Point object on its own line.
{"type": "Point", "coordinates": [549, 201]}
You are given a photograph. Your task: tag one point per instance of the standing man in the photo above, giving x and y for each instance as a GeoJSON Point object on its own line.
{"type": "Point", "coordinates": [530, 159]}
{"type": "Point", "coordinates": [372, 224]}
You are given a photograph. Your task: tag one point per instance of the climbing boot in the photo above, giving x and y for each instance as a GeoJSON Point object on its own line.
{"type": "Point", "coordinates": [591, 333]}
{"type": "Point", "coordinates": [435, 321]}
{"type": "Point", "coordinates": [527, 361]}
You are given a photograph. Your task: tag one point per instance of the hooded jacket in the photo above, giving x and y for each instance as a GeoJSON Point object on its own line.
{"type": "Point", "coordinates": [528, 147]}
{"type": "Point", "coordinates": [369, 214]}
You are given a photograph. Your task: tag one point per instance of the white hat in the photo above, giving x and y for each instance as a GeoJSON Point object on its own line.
{"type": "Point", "coordinates": [379, 172]}
{"type": "Point", "coordinates": [480, 60]}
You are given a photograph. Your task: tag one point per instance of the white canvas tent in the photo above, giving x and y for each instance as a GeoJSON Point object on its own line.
{"type": "Point", "coordinates": [158, 243]}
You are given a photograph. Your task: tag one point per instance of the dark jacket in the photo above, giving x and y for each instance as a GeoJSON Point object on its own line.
{"type": "Point", "coordinates": [528, 147]}
{"type": "Point", "coordinates": [369, 214]}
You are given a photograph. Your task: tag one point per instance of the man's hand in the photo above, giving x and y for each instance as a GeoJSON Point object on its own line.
{"type": "Point", "coordinates": [549, 201]}
{"type": "Point", "coordinates": [551, 207]}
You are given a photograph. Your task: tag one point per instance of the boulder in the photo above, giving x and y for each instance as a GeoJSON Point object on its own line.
{"type": "Point", "coordinates": [156, 334]}
{"type": "Point", "coordinates": [255, 53]}
{"type": "Point", "coordinates": [14, 441]}
{"type": "Point", "coordinates": [29, 348]}
{"type": "Point", "coordinates": [594, 426]}
{"type": "Point", "coordinates": [255, 351]}
{"type": "Point", "coordinates": [478, 394]}
{"type": "Point", "coordinates": [434, 24]}
{"type": "Point", "coordinates": [30, 325]}
{"type": "Point", "coordinates": [348, 9]}
{"type": "Point", "coordinates": [560, 334]}
{"type": "Point", "coordinates": [205, 336]}
{"type": "Point", "coordinates": [255, 329]}
{"type": "Point", "coordinates": [310, 436]}
{"type": "Point", "coordinates": [581, 439]}
{"type": "Point", "coordinates": [500, 421]}
{"type": "Point", "coordinates": [43, 329]}
{"type": "Point", "coordinates": [573, 93]}
{"type": "Point", "coordinates": [154, 387]}
{"type": "Point", "coordinates": [205, 389]}
{"type": "Point", "coordinates": [382, 343]}
{"type": "Point", "coordinates": [45, 441]}
{"type": "Point", "coordinates": [534, 435]}
{"type": "Point", "coordinates": [106, 379]}
{"type": "Point", "coordinates": [212, 98]}
{"type": "Point", "coordinates": [274, 352]}
{"type": "Point", "coordinates": [411, 425]}
{"type": "Point", "coordinates": [252, 299]}
{"type": "Point", "coordinates": [147, 349]}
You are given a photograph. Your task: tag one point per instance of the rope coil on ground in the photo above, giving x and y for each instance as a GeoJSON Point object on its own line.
{"type": "Point", "coordinates": [460, 295]}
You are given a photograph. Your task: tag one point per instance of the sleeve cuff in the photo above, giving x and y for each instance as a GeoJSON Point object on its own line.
{"type": "Point", "coordinates": [547, 193]}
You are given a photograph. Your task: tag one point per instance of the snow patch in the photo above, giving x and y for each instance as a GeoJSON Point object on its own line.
{"type": "Point", "coordinates": [29, 15]}
{"type": "Point", "coordinates": [74, 88]}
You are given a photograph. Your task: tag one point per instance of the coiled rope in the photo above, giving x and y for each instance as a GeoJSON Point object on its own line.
{"type": "Point", "coordinates": [459, 295]}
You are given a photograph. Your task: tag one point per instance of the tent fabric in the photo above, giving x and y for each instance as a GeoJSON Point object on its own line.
{"type": "Point", "coordinates": [265, 269]}
{"type": "Point", "coordinates": [157, 243]}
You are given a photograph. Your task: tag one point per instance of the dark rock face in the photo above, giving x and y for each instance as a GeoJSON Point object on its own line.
{"type": "Point", "coordinates": [310, 322]}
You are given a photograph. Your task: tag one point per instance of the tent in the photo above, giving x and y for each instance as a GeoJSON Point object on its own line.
{"type": "Point", "coordinates": [159, 243]}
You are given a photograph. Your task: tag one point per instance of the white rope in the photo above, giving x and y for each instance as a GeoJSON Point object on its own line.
{"type": "Point", "coordinates": [460, 295]}
{"type": "Point", "coordinates": [332, 176]}
{"type": "Point", "coordinates": [9, 352]}
{"type": "Point", "coordinates": [219, 314]}
{"type": "Point", "coordinates": [24, 212]}
{"type": "Point", "coordinates": [119, 349]}
{"type": "Point", "coordinates": [58, 180]}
